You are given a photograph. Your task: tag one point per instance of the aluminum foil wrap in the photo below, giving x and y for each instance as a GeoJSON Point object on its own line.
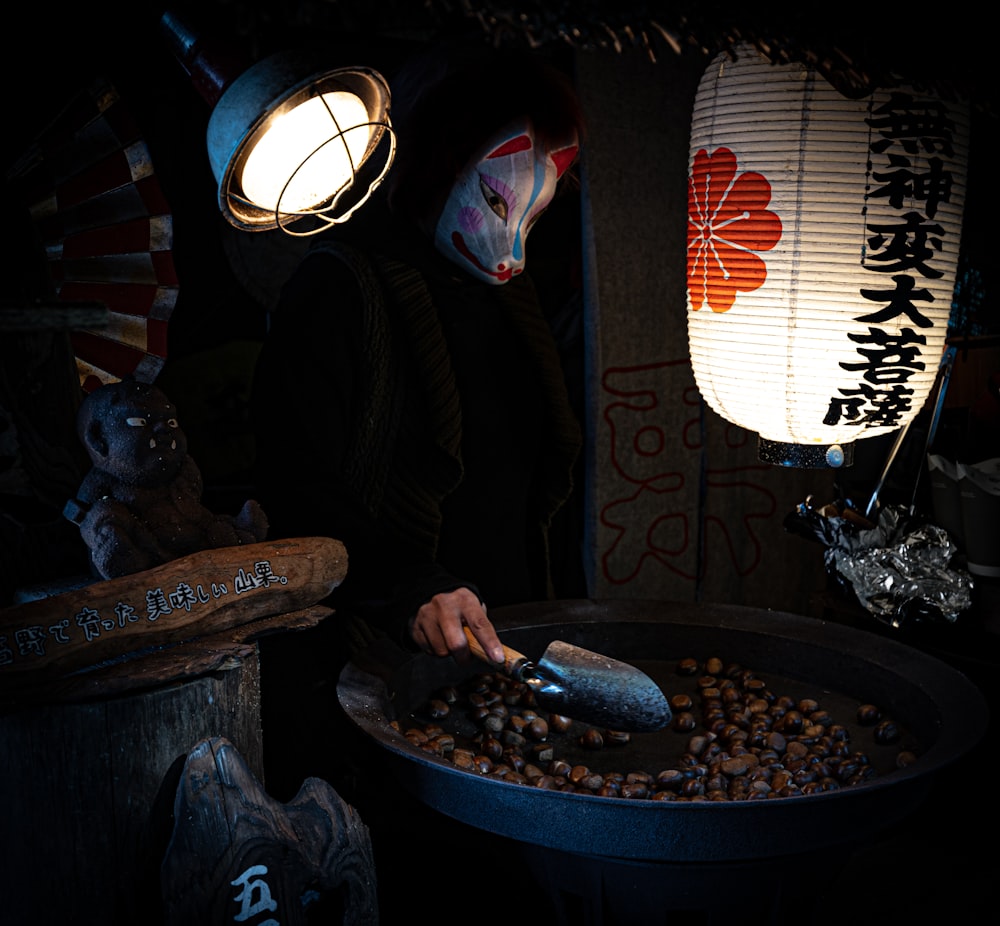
{"type": "Point", "coordinates": [899, 568]}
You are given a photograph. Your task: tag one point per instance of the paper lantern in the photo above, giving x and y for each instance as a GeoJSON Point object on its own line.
{"type": "Point", "coordinates": [823, 241]}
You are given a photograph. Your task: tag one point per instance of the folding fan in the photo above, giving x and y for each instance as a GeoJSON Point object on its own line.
{"type": "Point", "coordinates": [88, 183]}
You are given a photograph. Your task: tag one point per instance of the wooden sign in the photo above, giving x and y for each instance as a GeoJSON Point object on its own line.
{"type": "Point", "coordinates": [205, 592]}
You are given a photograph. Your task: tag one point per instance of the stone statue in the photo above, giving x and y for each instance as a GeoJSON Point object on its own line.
{"type": "Point", "coordinates": [141, 504]}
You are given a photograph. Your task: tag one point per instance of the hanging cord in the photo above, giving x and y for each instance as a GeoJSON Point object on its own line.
{"type": "Point", "coordinates": [941, 385]}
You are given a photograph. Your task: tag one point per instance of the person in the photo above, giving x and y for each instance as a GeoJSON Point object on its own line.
{"type": "Point", "coordinates": [409, 398]}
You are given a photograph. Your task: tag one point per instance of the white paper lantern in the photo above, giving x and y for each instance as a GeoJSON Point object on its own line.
{"type": "Point", "coordinates": [823, 241]}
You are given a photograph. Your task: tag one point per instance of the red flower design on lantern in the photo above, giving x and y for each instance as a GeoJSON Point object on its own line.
{"type": "Point", "coordinates": [728, 220]}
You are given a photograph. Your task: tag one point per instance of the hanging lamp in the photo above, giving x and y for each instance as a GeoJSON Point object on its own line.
{"type": "Point", "coordinates": [288, 136]}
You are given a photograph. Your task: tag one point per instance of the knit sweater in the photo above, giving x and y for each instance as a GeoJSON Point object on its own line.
{"type": "Point", "coordinates": [378, 386]}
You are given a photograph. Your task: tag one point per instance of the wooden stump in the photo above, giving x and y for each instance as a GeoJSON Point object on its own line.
{"type": "Point", "coordinates": [236, 855]}
{"type": "Point", "coordinates": [96, 726]}
{"type": "Point", "coordinates": [87, 791]}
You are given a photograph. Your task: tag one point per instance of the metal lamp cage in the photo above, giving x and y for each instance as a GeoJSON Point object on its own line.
{"type": "Point", "coordinates": [271, 89]}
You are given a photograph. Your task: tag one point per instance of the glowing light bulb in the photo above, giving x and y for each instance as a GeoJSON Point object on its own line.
{"type": "Point", "coordinates": [308, 154]}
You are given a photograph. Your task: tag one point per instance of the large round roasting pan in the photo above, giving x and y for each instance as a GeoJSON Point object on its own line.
{"type": "Point", "coordinates": [937, 706]}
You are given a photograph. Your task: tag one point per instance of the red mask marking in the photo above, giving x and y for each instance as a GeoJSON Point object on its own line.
{"type": "Point", "coordinates": [521, 143]}
{"type": "Point", "coordinates": [459, 242]}
{"type": "Point", "coordinates": [562, 159]}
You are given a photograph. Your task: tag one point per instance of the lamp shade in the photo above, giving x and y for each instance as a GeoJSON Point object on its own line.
{"type": "Point", "coordinates": [287, 143]}
{"type": "Point", "coordinates": [823, 242]}
{"type": "Point", "coordinates": [287, 136]}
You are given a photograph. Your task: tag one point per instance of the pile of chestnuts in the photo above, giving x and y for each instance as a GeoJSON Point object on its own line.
{"type": "Point", "coordinates": [742, 740]}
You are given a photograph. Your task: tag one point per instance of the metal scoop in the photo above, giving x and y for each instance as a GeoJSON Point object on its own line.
{"type": "Point", "coordinates": [586, 686]}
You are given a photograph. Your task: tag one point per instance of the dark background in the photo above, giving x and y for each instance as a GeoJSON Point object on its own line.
{"type": "Point", "coordinates": [53, 52]}
{"type": "Point", "coordinates": [220, 316]}
{"type": "Point", "coordinates": [852, 43]}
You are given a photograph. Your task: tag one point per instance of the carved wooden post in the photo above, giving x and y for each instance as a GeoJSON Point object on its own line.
{"type": "Point", "coordinates": [87, 791]}
{"type": "Point", "coordinates": [236, 855]}
{"type": "Point", "coordinates": [105, 689]}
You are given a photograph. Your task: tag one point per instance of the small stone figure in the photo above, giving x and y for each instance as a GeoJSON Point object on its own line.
{"type": "Point", "coordinates": [141, 504]}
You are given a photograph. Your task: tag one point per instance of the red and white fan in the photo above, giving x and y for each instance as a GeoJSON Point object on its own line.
{"type": "Point", "coordinates": [96, 204]}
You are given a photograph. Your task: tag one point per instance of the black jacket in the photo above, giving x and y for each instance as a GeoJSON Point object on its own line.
{"type": "Point", "coordinates": [418, 415]}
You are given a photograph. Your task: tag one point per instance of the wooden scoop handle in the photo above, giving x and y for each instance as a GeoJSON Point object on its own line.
{"type": "Point", "coordinates": [513, 661]}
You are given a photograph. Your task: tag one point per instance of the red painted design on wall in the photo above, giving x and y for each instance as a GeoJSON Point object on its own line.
{"type": "Point", "coordinates": [653, 521]}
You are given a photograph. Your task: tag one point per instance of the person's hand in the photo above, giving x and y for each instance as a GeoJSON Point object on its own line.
{"type": "Point", "coordinates": [437, 627]}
